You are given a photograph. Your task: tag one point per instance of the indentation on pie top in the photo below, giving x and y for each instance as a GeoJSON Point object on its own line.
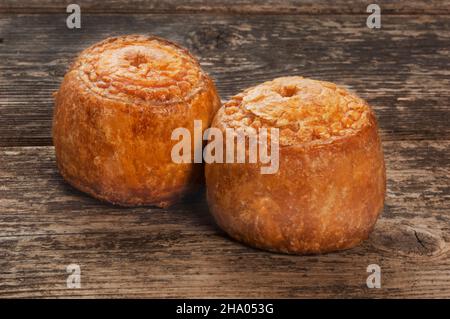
{"type": "Point", "coordinates": [303, 109]}
{"type": "Point", "coordinates": [139, 68]}
{"type": "Point", "coordinates": [136, 58]}
{"type": "Point", "coordinates": [287, 91]}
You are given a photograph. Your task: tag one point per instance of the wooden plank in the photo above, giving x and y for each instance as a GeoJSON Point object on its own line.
{"type": "Point", "coordinates": [401, 69]}
{"type": "Point", "coordinates": [145, 252]}
{"type": "Point", "coordinates": [226, 6]}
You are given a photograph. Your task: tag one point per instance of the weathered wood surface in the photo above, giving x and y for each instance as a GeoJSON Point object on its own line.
{"type": "Point", "coordinates": [401, 69]}
{"type": "Point", "coordinates": [229, 6]}
{"type": "Point", "coordinates": [46, 225]}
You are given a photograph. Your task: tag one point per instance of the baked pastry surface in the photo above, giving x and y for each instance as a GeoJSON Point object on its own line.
{"type": "Point", "coordinates": [330, 185]}
{"type": "Point", "coordinates": [114, 115]}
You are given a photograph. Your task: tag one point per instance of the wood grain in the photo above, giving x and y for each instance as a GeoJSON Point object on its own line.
{"type": "Point", "coordinates": [229, 6]}
{"type": "Point", "coordinates": [145, 252]}
{"type": "Point", "coordinates": [401, 69]}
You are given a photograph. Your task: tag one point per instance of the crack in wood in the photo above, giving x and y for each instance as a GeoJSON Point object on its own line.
{"type": "Point", "coordinates": [419, 240]}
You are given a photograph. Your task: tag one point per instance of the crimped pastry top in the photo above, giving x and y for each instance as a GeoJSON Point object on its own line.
{"type": "Point", "coordinates": [138, 69]}
{"type": "Point", "coordinates": [304, 110]}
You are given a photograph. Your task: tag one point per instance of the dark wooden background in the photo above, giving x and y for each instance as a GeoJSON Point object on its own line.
{"type": "Point", "coordinates": [402, 69]}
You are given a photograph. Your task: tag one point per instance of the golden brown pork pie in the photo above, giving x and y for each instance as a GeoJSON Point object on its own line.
{"type": "Point", "coordinates": [115, 111]}
{"type": "Point", "coordinates": [330, 184]}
